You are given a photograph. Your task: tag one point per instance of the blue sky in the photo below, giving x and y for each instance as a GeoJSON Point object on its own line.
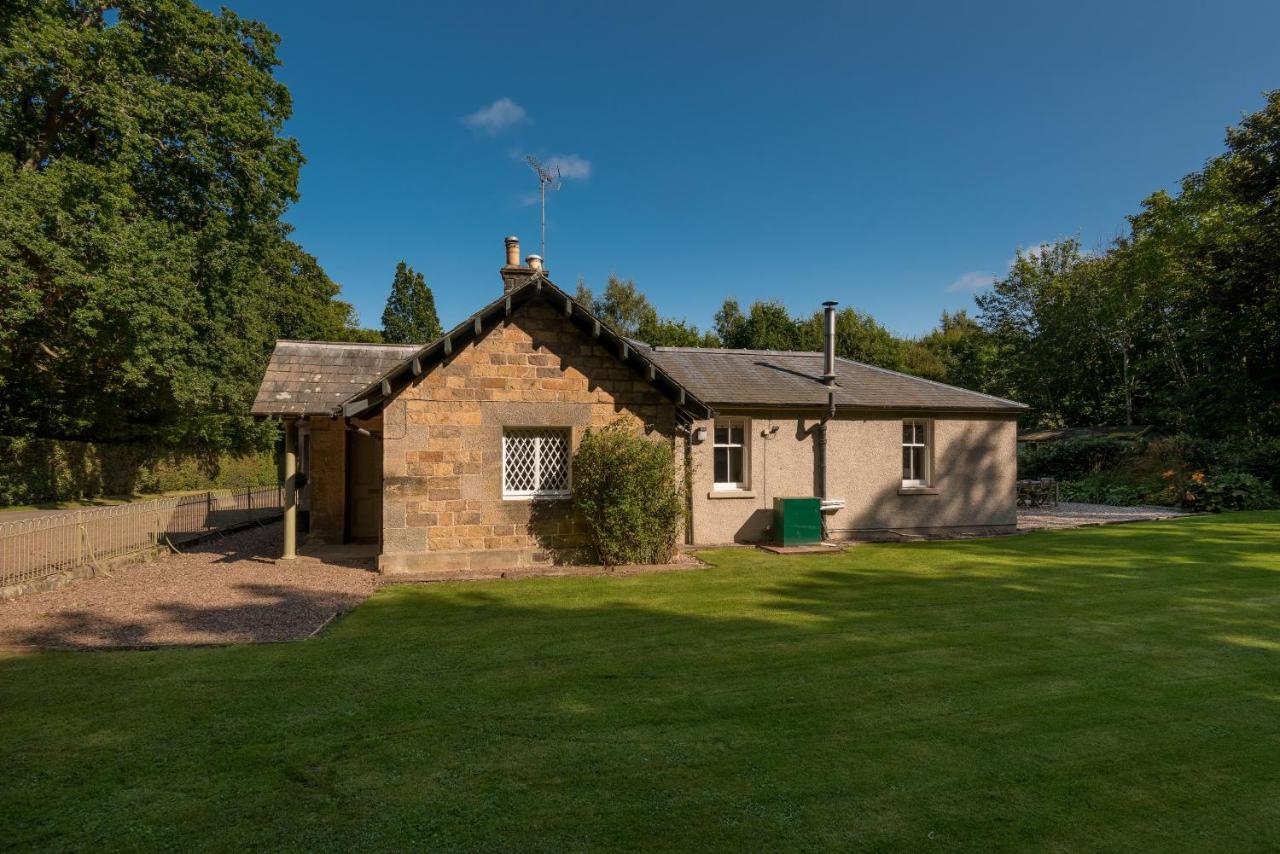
{"type": "Point", "coordinates": [891, 156]}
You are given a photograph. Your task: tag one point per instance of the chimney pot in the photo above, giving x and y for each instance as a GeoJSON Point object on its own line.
{"type": "Point", "coordinates": [514, 275]}
{"type": "Point", "coordinates": [534, 262]}
{"type": "Point", "coordinates": [829, 342]}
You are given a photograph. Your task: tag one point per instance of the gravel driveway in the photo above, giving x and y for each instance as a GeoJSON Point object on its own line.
{"type": "Point", "coordinates": [1073, 515]}
{"type": "Point", "coordinates": [226, 590]}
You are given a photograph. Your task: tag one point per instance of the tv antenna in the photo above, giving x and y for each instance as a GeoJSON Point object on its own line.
{"type": "Point", "coordinates": [545, 179]}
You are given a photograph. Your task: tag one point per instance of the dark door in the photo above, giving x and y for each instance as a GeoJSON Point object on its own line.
{"type": "Point", "coordinates": [364, 487]}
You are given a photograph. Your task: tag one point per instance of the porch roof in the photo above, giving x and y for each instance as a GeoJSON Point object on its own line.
{"type": "Point", "coordinates": [315, 377]}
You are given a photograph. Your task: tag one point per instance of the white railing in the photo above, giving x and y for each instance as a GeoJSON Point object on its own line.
{"type": "Point", "coordinates": [31, 549]}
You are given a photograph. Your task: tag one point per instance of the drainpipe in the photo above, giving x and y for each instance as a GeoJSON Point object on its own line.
{"type": "Point", "coordinates": [687, 434]}
{"type": "Point", "coordinates": [829, 380]}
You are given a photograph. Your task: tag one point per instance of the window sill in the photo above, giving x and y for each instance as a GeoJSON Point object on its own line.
{"type": "Point", "coordinates": [731, 493]}
{"type": "Point", "coordinates": [918, 490]}
{"type": "Point", "coordinates": [564, 497]}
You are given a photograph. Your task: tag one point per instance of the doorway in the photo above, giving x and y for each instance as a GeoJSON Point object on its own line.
{"type": "Point", "coordinates": [364, 487]}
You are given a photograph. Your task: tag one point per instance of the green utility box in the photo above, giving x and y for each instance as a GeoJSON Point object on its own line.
{"type": "Point", "coordinates": [797, 521]}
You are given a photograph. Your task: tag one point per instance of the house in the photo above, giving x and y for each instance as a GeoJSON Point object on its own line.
{"type": "Point", "coordinates": [457, 455]}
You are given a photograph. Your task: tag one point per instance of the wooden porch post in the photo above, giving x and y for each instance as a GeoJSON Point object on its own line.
{"type": "Point", "coordinates": [290, 489]}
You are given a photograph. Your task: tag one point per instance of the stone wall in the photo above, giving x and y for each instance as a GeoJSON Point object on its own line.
{"type": "Point", "coordinates": [443, 510]}
{"type": "Point", "coordinates": [327, 479]}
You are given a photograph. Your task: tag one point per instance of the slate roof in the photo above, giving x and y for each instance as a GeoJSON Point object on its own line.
{"type": "Point", "coordinates": [324, 378]}
{"type": "Point", "coordinates": [315, 377]}
{"type": "Point", "coordinates": [773, 378]}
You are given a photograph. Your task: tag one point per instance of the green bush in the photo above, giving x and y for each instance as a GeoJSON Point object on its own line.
{"type": "Point", "coordinates": [1259, 457]}
{"type": "Point", "coordinates": [1104, 488]}
{"type": "Point", "coordinates": [34, 471]}
{"type": "Point", "coordinates": [1227, 490]}
{"type": "Point", "coordinates": [628, 491]}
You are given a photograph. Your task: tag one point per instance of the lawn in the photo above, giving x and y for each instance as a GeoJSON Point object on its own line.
{"type": "Point", "coordinates": [1099, 689]}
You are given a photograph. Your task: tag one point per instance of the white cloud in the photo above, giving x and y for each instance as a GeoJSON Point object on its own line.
{"type": "Point", "coordinates": [570, 166]}
{"type": "Point", "coordinates": [1033, 249]}
{"type": "Point", "coordinates": [971, 282]}
{"type": "Point", "coordinates": [497, 117]}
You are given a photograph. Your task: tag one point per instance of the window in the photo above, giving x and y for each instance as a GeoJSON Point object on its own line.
{"type": "Point", "coordinates": [535, 462]}
{"type": "Point", "coordinates": [730, 449]}
{"type": "Point", "coordinates": [915, 453]}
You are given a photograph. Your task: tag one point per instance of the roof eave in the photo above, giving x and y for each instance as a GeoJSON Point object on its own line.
{"type": "Point", "coordinates": [854, 407]}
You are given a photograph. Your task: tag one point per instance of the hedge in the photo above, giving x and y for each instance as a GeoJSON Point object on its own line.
{"type": "Point", "coordinates": [34, 471]}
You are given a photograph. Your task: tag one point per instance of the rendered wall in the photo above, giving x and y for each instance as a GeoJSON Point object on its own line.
{"type": "Point", "coordinates": [974, 465]}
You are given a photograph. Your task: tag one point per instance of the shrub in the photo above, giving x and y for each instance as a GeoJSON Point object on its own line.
{"type": "Point", "coordinates": [1227, 490]}
{"type": "Point", "coordinates": [1259, 457]}
{"type": "Point", "coordinates": [628, 491]}
{"type": "Point", "coordinates": [1104, 488]}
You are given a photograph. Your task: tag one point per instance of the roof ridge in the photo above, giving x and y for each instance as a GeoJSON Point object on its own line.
{"type": "Point", "coordinates": [345, 343]}
{"type": "Point", "coordinates": [931, 382]}
{"type": "Point", "coordinates": [733, 351]}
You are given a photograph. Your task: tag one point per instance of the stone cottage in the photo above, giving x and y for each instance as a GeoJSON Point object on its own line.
{"type": "Point", "coordinates": [456, 455]}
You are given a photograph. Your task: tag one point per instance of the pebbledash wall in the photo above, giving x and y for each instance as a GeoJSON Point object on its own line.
{"type": "Point", "coordinates": [972, 487]}
{"type": "Point", "coordinates": [443, 507]}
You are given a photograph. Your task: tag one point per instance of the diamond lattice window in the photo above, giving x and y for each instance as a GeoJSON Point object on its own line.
{"type": "Point", "coordinates": [535, 463]}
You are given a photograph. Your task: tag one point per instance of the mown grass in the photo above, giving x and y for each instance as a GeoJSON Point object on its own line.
{"type": "Point", "coordinates": [1100, 689]}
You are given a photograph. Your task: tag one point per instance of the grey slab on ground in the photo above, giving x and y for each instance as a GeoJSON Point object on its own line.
{"type": "Point", "coordinates": [1076, 515]}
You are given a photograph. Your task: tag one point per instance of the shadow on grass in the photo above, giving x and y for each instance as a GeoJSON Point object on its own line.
{"type": "Point", "coordinates": [266, 612]}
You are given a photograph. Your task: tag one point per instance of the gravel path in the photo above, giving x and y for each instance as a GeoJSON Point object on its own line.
{"type": "Point", "coordinates": [226, 590]}
{"type": "Point", "coordinates": [1072, 515]}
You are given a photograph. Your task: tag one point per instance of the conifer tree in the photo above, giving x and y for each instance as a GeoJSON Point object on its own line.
{"type": "Point", "coordinates": [410, 316]}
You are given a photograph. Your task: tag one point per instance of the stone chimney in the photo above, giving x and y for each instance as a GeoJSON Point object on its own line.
{"type": "Point", "coordinates": [514, 275]}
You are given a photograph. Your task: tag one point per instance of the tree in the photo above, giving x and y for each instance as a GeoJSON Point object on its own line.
{"type": "Point", "coordinates": [144, 268]}
{"type": "Point", "coordinates": [624, 308]}
{"type": "Point", "coordinates": [410, 316]}
{"type": "Point", "coordinates": [629, 312]}
{"type": "Point", "coordinates": [1176, 324]}
{"type": "Point", "coordinates": [859, 337]}
{"type": "Point", "coordinates": [961, 352]}
{"type": "Point", "coordinates": [731, 325]}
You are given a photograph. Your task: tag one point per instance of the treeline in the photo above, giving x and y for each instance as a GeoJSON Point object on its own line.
{"type": "Point", "coordinates": [1177, 324]}
{"type": "Point", "coordinates": [145, 271]}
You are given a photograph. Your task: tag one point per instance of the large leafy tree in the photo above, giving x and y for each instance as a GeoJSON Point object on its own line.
{"type": "Point", "coordinates": [1176, 324]}
{"type": "Point", "coordinates": [144, 268]}
{"type": "Point", "coordinates": [624, 307]}
{"type": "Point", "coordinates": [410, 316]}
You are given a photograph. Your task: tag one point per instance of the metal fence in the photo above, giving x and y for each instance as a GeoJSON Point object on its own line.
{"type": "Point", "coordinates": [31, 549]}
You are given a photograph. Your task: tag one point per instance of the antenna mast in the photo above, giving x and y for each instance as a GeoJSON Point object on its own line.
{"type": "Point", "coordinates": [545, 179]}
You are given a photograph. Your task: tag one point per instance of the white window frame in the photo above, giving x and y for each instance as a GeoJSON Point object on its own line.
{"type": "Point", "coordinates": [745, 483]}
{"type": "Point", "coordinates": [924, 478]}
{"type": "Point", "coordinates": [537, 493]}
